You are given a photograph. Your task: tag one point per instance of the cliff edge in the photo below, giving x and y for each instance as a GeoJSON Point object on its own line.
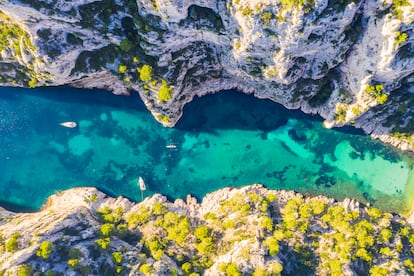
{"type": "Point", "coordinates": [246, 231]}
{"type": "Point", "coordinates": [349, 61]}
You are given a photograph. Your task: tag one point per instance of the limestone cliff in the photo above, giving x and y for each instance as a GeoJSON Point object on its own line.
{"type": "Point", "coordinates": [351, 61]}
{"type": "Point", "coordinates": [250, 230]}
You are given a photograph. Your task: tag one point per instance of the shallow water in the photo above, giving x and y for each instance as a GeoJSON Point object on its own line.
{"type": "Point", "coordinates": [226, 139]}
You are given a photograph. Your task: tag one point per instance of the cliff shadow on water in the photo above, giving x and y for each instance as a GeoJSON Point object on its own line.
{"type": "Point", "coordinates": [231, 109]}
{"type": "Point", "coordinates": [338, 162]}
{"type": "Point", "coordinates": [236, 110]}
{"type": "Point", "coordinates": [76, 96]}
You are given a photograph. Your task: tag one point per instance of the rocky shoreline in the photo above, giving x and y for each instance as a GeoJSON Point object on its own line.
{"type": "Point", "coordinates": [80, 230]}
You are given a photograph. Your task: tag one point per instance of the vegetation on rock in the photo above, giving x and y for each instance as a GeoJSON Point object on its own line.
{"type": "Point", "coordinates": [233, 232]}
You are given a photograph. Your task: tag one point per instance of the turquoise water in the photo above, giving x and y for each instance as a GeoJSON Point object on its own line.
{"type": "Point", "coordinates": [226, 139]}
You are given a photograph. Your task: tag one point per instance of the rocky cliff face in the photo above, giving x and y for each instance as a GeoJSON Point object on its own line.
{"type": "Point", "coordinates": [349, 61]}
{"type": "Point", "coordinates": [250, 230]}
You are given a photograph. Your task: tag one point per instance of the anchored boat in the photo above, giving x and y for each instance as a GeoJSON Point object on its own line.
{"type": "Point", "coordinates": [68, 124]}
{"type": "Point", "coordinates": [142, 186]}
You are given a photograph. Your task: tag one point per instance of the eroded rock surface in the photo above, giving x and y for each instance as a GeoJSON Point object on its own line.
{"type": "Point", "coordinates": [250, 230]}
{"type": "Point", "coordinates": [349, 61]}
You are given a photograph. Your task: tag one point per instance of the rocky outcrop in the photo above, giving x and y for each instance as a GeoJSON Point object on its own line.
{"type": "Point", "coordinates": [349, 61]}
{"type": "Point", "coordinates": [245, 230]}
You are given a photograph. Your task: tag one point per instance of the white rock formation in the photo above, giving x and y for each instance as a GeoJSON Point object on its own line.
{"type": "Point", "coordinates": [319, 57]}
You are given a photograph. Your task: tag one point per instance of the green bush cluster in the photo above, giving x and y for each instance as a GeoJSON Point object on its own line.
{"type": "Point", "coordinates": [165, 92]}
{"type": "Point", "coordinates": [45, 249]}
{"type": "Point", "coordinates": [15, 38]}
{"type": "Point", "coordinates": [401, 37]}
{"type": "Point", "coordinates": [106, 214]}
{"type": "Point", "coordinates": [348, 237]}
{"type": "Point", "coordinates": [266, 17]}
{"type": "Point", "coordinates": [145, 73]}
{"type": "Point", "coordinates": [103, 244]}
{"type": "Point", "coordinates": [376, 91]}
{"type": "Point", "coordinates": [13, 243]}
{"type": "Point", "coordinates": [25, 270]}
{"type": "Point", "coordinates": [139, 218]}
{"type": "Point", "coordinates": [397, 9]}
{"type": "Point", "coordinates": [296, 3]}
{"type": "Point", "coordinates": [301, 236]}
{"type": "Point", "coordinates": [177, 227]}
{"type": "Point", "coordinates": [156, 246]}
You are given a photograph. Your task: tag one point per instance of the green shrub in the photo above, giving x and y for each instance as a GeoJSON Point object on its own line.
{"type": "Point", "coordinates": [382, 99]}
{"type": "Point", "coordinates": [266, 17]}
{"type": "Point", "coordinates": [156, 247]}
{"type": "Point", "coordinates": [25, 270]}
{"type": "Point", "coordinates": [274, 268]}
{"type": "Point", "coordinates": [232, 270]}
{"type": "Point", "coordinates": [206, 246]}
{"type": "Point", "coordinates": [73, 263]}
{"type": "Point", "coordinates": [45, 249]}
{"type": "Point", "coordinates": [374, 213]}
{"type": "Point", "coordinates": [94, 198]}
{"type": "Point", "coordinates": [163, 118]}
{"type": "Point", "coordinates": [401, 37]}
{"type": "Point", "coordinates": [271, 197]}
{"type": "Point", "coordinates": [334, 267]}
{"type": "Point", "coordinates": [266, 223]}
{"type": "Point", "coordinates": [318, 206]}
{"type": "Point", "coordinates": [177, 227]}
{"type": "Point", "coordinates": [165, 92]}
{"type": "Point", "coordinates": [141, 217]}
{"type": "Point", "coordinates": [409, 265]}
{"type": "Point", "coordinates": [259, 272]}
{"type": "Point", "coordinates": [228, 224]}
{"type": "Point", "coordinates": [117, 257]}
{"type": "Point", "coordinates": [122, 68]}
{"type": "Point", "coordinates": [378, 271]}
{"type": "Point", "coordinates": [186, 268]}
{"type": "Point", "coordinates": [146, 269]}
{"type": "Point", "coordinates": [273, 245]}
{"type": "Point", "coordinates": [145, 73]}
{"type": "Point", "coordinates": [32, 83]}
{"type": "Point", "coordinates": [13, 243]}
{"type": "Point", "coordinates": [103, 244]}
{"type": "Point", "coordinates": [376, 91]}
{"type": "Point", "coordinates": [202, 232]}
{"type": "Point", "coordinates": [363, 254]}
{"type": "Point", "coordinates": [386, 251]}
{"type": "Point", "coordinates": [122, 230]}
{"type": "Point", "coordinates": [107, 229]}
{"type": "Point", "coordinates": [159, 209]}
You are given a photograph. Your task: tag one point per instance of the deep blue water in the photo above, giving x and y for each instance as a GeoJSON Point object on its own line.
{"type": "Point", "coordinates": [226, 139]}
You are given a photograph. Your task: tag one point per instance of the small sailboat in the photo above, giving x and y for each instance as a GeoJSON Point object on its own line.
{"type": "Point", "coordinates": [69, 124]}
{"type": "Point", "coordinates": [142, 186]}
{"type": "Point", "coordinates": [172, 146]}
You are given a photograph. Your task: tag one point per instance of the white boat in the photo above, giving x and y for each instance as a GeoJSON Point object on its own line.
{"type": "Point", "coordinates": [171, 146]}
{"type": "Point", "coordinates": [141, 184]}
{"type": "Point", "coordinates": [68, 124]}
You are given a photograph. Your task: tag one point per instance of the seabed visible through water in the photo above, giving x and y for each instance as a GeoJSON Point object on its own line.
{"type": "Point", "coordinates": [225, 139]}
